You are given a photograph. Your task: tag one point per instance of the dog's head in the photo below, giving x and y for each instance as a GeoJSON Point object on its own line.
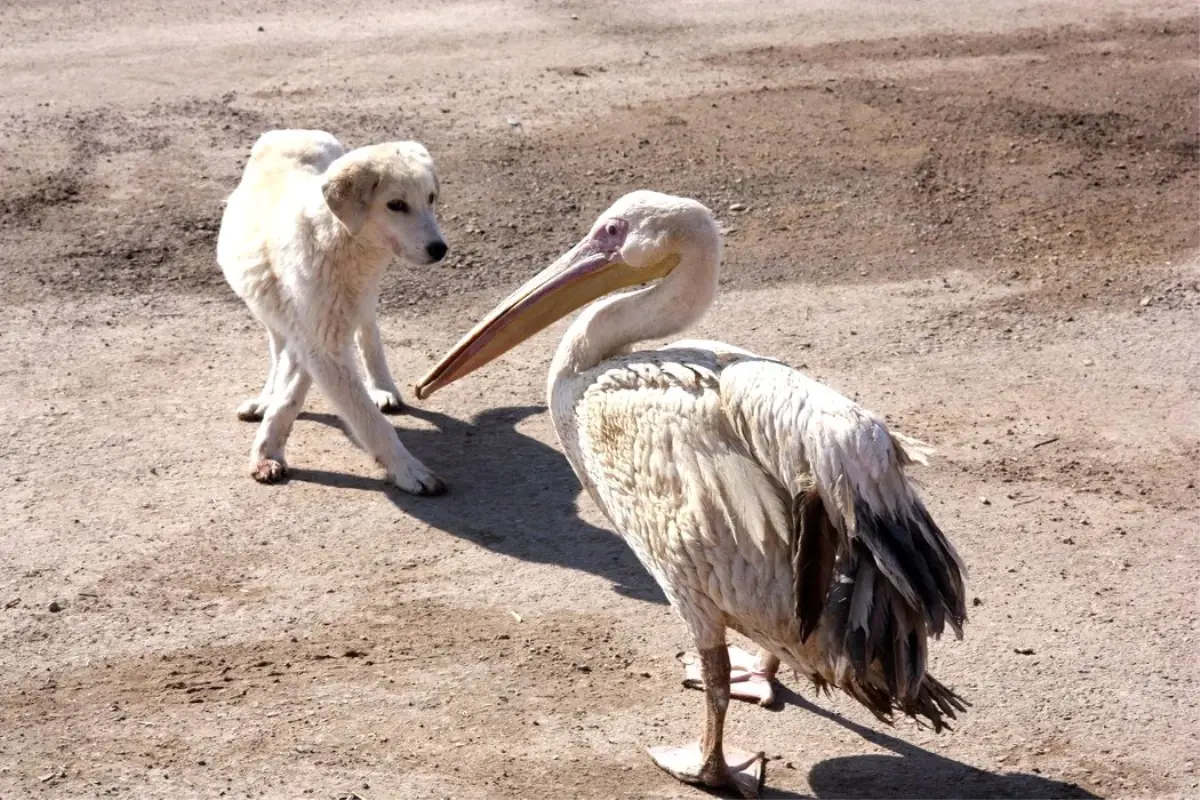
{"type": "Point", "coordinates": [387, 192]}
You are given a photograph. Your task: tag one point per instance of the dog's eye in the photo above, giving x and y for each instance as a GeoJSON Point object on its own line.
{"type": "Point", "coordinates": [399, 206]}
{"type": "Point", "coordinates": [432, 198]}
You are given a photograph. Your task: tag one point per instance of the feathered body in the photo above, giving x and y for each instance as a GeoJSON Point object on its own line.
{"type": "Point", "coordinates": [765, 502]}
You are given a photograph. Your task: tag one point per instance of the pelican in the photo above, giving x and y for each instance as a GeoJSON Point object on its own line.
{"type": "Point", "coordinates": [761, 500]}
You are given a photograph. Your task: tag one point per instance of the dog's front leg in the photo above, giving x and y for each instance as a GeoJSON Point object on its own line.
{"type": "Point", "coordinates": [380, 385]}
{"type": "Point", "coordinates": [292, 381]}
{"type": "Point", "coordinates": [253, 409]}
{"type": "Point", "coordinates": [342, 385]}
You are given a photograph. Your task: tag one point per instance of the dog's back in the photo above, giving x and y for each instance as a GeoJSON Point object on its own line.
{"type": "Point", "coordinates": [279, 162]}
{"type": "Point", "coordinates": [278, 155]}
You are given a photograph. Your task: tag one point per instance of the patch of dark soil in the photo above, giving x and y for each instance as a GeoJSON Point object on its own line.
{"type": "Point", "coordinates": [1082, 154]}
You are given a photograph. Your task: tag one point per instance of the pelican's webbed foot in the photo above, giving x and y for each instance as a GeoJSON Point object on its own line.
{"type": "Point", "coordinates": [741, 771]}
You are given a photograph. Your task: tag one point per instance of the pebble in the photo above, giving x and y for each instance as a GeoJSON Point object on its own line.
{"type": "Point", "coordinates": [985, 501]}
{"type": "Point", "coordinates": [737, 207]}
{"type": "Point", "coordinates": [55, 607]}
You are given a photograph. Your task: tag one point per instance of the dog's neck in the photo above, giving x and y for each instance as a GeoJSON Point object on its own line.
{"type": "Point", "coordinates": [360, 260]}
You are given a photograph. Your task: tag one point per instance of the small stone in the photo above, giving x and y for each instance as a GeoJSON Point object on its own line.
{"type": "Point", "coordinates": [55, 607]}
{"type": "Point", "coordinates": [1087, 362]}
{"type": "Point", "coordinates": [976, 601]}
{"type": "Point", "coordinates": [1145, 301]}
{"type": "Point", "coordinates": [737, 207]}
{"type": "Point", "coordinates": [985, 501]}
{"type": "Point", "coordinates": [1023, 651]}
{"type": "Point", "coordinates": [261, 29]}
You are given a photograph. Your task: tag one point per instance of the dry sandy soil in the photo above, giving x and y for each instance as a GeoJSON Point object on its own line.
{"type": "Point", "coordinates": [982, 220]}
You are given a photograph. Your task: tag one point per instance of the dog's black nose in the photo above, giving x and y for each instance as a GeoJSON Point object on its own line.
{"type": "Point", "coordinates": [437, 250]}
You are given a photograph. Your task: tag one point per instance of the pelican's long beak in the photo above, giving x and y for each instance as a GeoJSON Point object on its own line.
{"type": "Point", "coordinates": [579, 276]}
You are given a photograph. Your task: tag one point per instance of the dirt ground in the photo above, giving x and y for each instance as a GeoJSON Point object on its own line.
{"type": "Point", "coordinates": [981, 220]}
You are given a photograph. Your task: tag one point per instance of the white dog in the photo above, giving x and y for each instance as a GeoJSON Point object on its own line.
{"type": "Point", "coordinates": [304, 241]}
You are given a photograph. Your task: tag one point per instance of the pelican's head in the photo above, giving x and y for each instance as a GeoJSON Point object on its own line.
{"type": "Point", "coordinates": [639, 239]}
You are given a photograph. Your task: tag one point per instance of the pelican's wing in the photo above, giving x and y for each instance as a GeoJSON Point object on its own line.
{"type": "Point", "coordinates": [862, 536]}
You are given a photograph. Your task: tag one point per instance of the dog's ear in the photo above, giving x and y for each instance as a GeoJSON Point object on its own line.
{"type": "Point", "coordinates": [349, 186]}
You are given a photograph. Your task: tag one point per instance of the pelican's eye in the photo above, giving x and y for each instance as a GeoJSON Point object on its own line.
{"type": "Point", "coordinates": [612, 229]}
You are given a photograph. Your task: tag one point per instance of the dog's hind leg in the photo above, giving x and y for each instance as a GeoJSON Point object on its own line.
{"type": "Point", "coordinates": [252, 410]}
{"type": "Point", "coordinates": [292, 383]}
{"type": "Point", "coordinates": [380, 385]}
{"type": "Point", "coordinates": [344, 387]}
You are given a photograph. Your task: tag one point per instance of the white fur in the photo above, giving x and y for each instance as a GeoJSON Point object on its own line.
{"type": "Point", "coordinates": [304, 241]}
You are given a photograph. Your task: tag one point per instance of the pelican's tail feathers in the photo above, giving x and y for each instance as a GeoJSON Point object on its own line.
{"type": "Point", "coordinates": [896, 579]}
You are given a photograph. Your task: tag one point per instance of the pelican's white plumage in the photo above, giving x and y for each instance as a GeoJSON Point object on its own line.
{"type": "Point", "coordinates": [760, 499]}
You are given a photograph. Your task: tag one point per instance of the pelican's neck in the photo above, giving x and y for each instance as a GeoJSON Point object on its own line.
{"type": "Point", "coordinates": [609, 326]}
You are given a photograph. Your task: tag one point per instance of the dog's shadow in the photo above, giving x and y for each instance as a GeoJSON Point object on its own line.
{"type": "Point", "coordinates": [912, 771]}
{"type": "Point", "coordinates": [508, 492]}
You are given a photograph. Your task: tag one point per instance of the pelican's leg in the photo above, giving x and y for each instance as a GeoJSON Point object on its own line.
{"type": "Point", "coordinates": [751, 678]}
{"type": "Point", "coordinates": [707, 762]}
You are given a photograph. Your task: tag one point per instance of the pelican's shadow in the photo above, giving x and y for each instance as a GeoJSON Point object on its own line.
{"type": "Point", "coordinates": [913, 771]}
{"type": "Point", "coordinates": [508, 492]}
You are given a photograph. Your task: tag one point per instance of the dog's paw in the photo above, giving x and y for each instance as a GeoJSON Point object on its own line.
{"type": "Point", "coordinates": [387, 401]}
{"type": "Point", "coordinates": [252, 410]}
{"type": "Point", "coordinates": [420, 481]}
{"type": "Point", "coordinates": [268, 470]}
